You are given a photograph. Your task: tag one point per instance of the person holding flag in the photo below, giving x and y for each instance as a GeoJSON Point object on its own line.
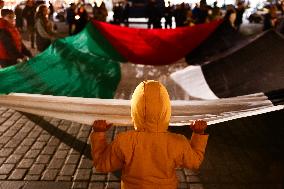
{"type": "Point", "coordinates": [148, 155]}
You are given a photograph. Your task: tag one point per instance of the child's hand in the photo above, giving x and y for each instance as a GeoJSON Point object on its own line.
{"type": "Point", "coordinates": [198, 126]}
{"type": "Point", "coordinates": [101, 126]}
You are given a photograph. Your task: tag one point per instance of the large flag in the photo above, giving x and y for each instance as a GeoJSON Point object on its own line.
{"type": "Point", "coordinates": [87, 64]}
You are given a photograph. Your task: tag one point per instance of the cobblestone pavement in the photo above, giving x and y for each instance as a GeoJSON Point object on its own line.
{"type": "Point", "coordinates": [51, 153]}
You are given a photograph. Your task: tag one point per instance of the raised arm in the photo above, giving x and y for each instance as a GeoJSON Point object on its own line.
{"type": "Point", "coordinates": [194, 151]}
{"type": "Point", "coordinates": [106, 157]}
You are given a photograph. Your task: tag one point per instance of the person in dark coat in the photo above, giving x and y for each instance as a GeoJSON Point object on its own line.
{"type": "Point", "coordinates": [81, 19]}
{"type": "Point", "coordinates": [239, 15]}
{"type": "Point", "coordinates": [29, 14]}
{"type": "Point", "coordinates": [19, 17]}
{"type": "Point", "coordinates": [70, 18]}
{"type": "Point", "coordinates": [270, 19]}
{"type": "Point", "coordinates": [12, 50]}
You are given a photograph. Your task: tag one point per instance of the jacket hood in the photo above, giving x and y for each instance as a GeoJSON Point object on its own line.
{"type": "Point", "coordinates": [150, 107]}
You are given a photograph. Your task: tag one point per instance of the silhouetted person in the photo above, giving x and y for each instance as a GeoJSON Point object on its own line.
{"type": "Point", "coordinates": [29, 14]}
{"type": "Point", "coordinates": [239, 14]}
{"type": "Point", "coordinates": [19, 17]}
{"type": "Point", "coordinates": [81, 19]}
{"type": "Point", "coordinates": [70, 18]}
{"type": "Point", "coordinates": [168, 15]}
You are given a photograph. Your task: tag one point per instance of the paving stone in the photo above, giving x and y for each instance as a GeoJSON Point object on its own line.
{"type": "Point", "coordinates": [17, 126]}
{"type": "Point", "coordinates": [12, 185]}
{"type": "Point", "coordinates": [85, 164]}
{"type": "Point", "coordinates": [86, 128]}
{"type": "Point", "coordinates": [73, 159]}
{"type": "Point", "coordinates": [112, 178]}
{"type": "Point", "coordinates": [74, 152]}
{"type": "Point", "coordinates": [8, 122]}
{"type": "Point", "coordinates": [2, 160]}
{"type": "Point", "coordinates": [196, 186]}
{"type": "Point", "coordinates": [64, 178]}
{"type": "Point", "coordinates": [29, 124]}
{"type": "Point", "coordinates": [96, 185]}
{"type": "Point", "coordinates": [113, 185]}
{"type": "Point", "coordinates": [73, 130]}
{"type": "Point", "coordinates": [4, 139]}
{"type": "Point", "coordinates": [54, 122]}
{"type": "Point", "coordinates": [64, 146]}
{"type": "Point", "coordinates": [193, 179]}
{"type": "Point", "coordinates": [44, 138]}
{"type": "Point", "coordinates": [34, 134]}
{"type": "Point", "coordinates": [23, 120]}
{"type": "Point", "coordinates": [10, 133]}
{"type": "Point", "coordinates": [28, 141]}
{"type": "Point", "coordinates": [22, 150]}
{"type": "Point", "coordinates": [61, 154]}
{"type": "Point", "coordinates": [183, 185]}
{"type": "Point", "coordinates": [54, 141]}
{"type": "Point", "coordinates": [49, 150]}
{"type": "Point", "coordinates": [32, 154]}
{"type": "Point", "coordinates": [98, 177]}
{"type": "Point", "coordinates": [15, 117]}
{"type": "Point", "coordinates": [17, 174]}
{"type": "Point", "coordinates": [6, 168]}
{"type": "Point", "coordinates": [32, 177]}
{"type": "Point", "coordinates": [56, 163]}
{"type": "Point", "coordinates": [39, 129]}
{"type": "Point", "coordinates": [82, 174]}
{"type": "Point", "coordinates": [63, 127]}
{"type": "Point", "coordinates": [3, 177]}
{"type": "Point", "coordinates": [83, 134]}
{"type": "Point", "coordinates": [44, 159]}
{"type": "Point", "coordinates": [50, 174]}
{"type": "Point", "coordinates": [181, 176]}
{"type": "Point", "coordinates": [20, 136]}
{"type": "Point", "coordinates": [2, 119]}
{"type": "Point", "coordinates": [38, 145]}
{"type": "Point", "coordinates": [13, 159]}
{"type": "Point", "coordinates": [5, 152]}
{"type": "Point", "coordinates": [7, 114]}
{"type": "Point", "coordinates": [13, 143]}
{"type": "Point", "coordinates": [3, 128]}
{"type": "Point", "coordinates": [68, 169]}
{"type": "Point", "coordinates": [80, 185]}
{"type": "Point", "coordinates": [190, 172]}
{"type": "Point", "coordinates": [25, 163]}
{"type": "Point", "coordinates": [47, 185]}
{"type": "Point", "coordinates": [83, 139]}
{"type": "Point", "coordinates": [36, 169]}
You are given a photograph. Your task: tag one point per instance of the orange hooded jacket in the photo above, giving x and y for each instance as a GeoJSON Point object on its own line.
{"type": "Point", "coordinates": [148, 155]}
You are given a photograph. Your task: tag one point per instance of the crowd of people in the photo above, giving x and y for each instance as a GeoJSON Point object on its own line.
{"type": "Point", "coordinates": [37, 20]}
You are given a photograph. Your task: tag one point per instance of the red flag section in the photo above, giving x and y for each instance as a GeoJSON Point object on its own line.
{"type": "Point", "coordinates": [155, 46]}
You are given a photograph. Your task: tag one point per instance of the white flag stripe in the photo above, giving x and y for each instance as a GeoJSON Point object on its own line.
{"type": "Point", "coordinates": [113, 106]}
{"type": "Point", "coordinates": [192, 80]}
{"type": "Point", "coordinates": [86, 110]}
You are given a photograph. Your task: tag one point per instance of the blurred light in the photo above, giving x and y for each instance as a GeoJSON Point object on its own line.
{"type": "Point", "coordinates": [77, 17]}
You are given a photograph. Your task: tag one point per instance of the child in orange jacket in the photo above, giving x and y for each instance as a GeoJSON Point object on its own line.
{"type": "Point", "coordinates": [148, 155]}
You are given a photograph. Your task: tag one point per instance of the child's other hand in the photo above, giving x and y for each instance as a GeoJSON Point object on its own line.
{"type": "Point", "coordinates": [101, 126]}
{"type": "Point", "coordinates": [198, 126]}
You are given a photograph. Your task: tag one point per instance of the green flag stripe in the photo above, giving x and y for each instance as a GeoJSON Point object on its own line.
{"type": "Point", "coordinates": [83, 65]}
